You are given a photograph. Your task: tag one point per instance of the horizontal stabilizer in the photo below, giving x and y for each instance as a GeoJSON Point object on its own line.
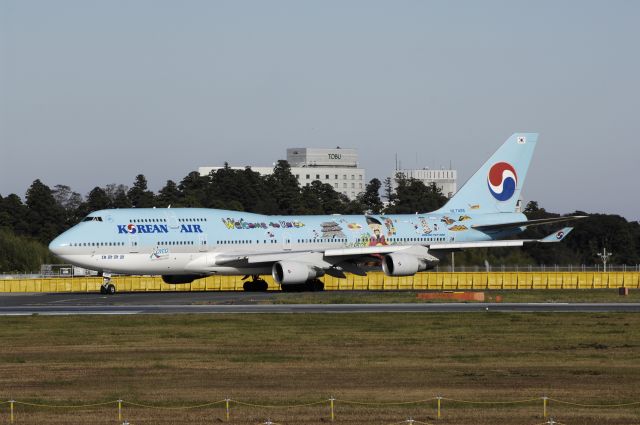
{"type": "Point", "coordinates": [557, 236]}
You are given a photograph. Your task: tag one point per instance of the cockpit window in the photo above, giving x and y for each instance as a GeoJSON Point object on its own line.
{"type": "Point", "coordinates": [92, 218]}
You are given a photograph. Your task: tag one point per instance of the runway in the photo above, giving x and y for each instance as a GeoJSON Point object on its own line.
{"type": "Point", "coordinates": [239, 302]}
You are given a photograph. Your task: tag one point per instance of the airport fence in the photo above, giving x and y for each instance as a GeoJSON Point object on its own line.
{"type": "Point", "coordinates": [437, 281]}
{"type": "Point", "coordinates": [328, 410]}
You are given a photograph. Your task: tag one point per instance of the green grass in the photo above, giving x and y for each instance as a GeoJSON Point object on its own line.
{"type": "Point", "coordinates": [513, 296]}
{"type": "Point", "coordinates": [295, 359]}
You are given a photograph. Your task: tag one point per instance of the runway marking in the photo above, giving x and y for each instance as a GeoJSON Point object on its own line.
{"type": "Point", "coordinates": [66, 300]}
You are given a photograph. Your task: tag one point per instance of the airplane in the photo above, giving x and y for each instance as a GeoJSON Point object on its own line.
{"type": "Point", "coordinates": [184, 244]}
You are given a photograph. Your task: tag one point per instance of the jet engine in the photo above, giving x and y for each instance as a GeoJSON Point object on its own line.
{"type": "Point", "coordinates": [292, 272]}
{"type": "Point", "coordinates": [180, 278]}
{"type": "Point", "coordinates": [401, 264]}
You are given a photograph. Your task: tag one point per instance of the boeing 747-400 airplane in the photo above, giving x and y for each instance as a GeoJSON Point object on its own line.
{"type": "Point", "coordinates": [184, 244]}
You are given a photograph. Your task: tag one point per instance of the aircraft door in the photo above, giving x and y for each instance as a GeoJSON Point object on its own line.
{"type": "Point", "coordinates": [286, 241]}
{"type": "Point", "coordinates": [202, 243]}
{"type": "Point", "coordinates": [172, 220]}
{"type": "Point", "coordinates": [134, 243]}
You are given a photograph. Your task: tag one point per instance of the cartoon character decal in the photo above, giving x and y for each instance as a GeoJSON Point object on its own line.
{"type": "Point", "coordinates": [231, 223]}
{"type": "Point", "coordinates": [331, 229]}
{"type": "Point", "coordinates": [447, 220]}
{"type": "Point", "coordinates": [425, 226]}
{"type": "Point", "coordinates": [391, 229]}
{"type": "Point", "coordinates": [378, 238]}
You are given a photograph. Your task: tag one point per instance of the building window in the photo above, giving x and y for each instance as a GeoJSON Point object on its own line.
{"type": "Point", "coordinates": [344, 177]}
{"type": "Point", "coordinates": [344, 185]}
{"type": "Point", "coordinates": [317, 176]}
{"type": "Point", "coordinates": [353, 177]}
{"type": "Point", "coordinates": [336, 185]}
{"type": "Point", "coordinates": [336, 177]}
{"type": "Point", "coordinates": [298, 176]}
{"type": "Point", "coordinates": [308, 176]}
{"type": "Point", "coordinates": [360, 176]}
{"type": "Point", "coordinates": [353, 185]}
{"type": "Point", "coordinates": [326, 177]}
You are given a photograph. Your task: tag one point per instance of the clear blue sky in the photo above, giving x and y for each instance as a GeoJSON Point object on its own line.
{"type": "Point", "coordinates": [95, 92]}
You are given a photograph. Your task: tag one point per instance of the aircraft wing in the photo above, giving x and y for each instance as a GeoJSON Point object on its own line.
{"type": "Point", "coordinates": [512, 225]}
{"type": "Point", "coordinates": [328, 257]}
{"type": "Point", "coordinates": [307, 255]}
{"type": "Point", "coordinates": [553, 237]}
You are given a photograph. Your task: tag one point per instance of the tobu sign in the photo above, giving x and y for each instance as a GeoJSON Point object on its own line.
{"type": "Point", "coordinates": [335, 156]}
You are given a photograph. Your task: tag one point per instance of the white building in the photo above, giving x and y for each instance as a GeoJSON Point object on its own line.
{"type": "Point", "coordinates": [337, 167]}
{"type": "Point", "coordinates": [445, 180]}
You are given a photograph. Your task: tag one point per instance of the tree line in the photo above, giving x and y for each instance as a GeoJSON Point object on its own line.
{"type": "Point", "coordinates": [27, 227]}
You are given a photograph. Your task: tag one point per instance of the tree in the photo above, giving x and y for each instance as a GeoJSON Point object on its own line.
{"type": "Point", "coordinates": [284, 189]}
{"type": "Point", "coordinates": [240, 190]}
{"type": "Point", "coordinates": [226, 187]}
{"type": "Point", "coordinates": [46, 217]}
{"type": "Point", "coordinates": [69, 201]}
{"type": "Point", "coordinates": [411, 196]}
{"type": "Point", "coordinates": [388, 189]}
{"type": "Point", "coordinates": [66, 198]}
{"type": "Point", "coordinates": [139, 195]}
{"type": "Point", "coordinates": [370, 198]}
{"type": "Point", "coordinates": [194, 190]}
{"type": "Point", "coordinates": [321, 198]}
{"type": "Point", "coordinates": [20, 254]}
{"type": "Point", "coordinates": [117, 194]}
{"type": "Point", "coordinates": [14, 215]}
{"type": "Point", "coordinates": [169, 195]}
{"type": "Point", "coordinates": [97, 199]}
{"type": "Point", "coordinates": [255, 193]}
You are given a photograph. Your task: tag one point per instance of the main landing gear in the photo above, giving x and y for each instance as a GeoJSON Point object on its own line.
{"type": "Point", "coordinates": [107, 287]}
{"type": "Point", "coordinates": [255, 284]}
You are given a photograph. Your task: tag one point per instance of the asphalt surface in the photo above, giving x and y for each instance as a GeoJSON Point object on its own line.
{"type": "Point", "coordinates": [240, 302]}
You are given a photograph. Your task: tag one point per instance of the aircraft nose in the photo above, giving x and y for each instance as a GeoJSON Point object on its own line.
{"type": "Point", "coordinates": [57, 244]}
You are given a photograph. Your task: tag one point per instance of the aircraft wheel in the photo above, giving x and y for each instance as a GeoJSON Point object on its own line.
{"type": "Point", "coordinates": [250, 286]}
{"type": "Point", "coordinates": [261, 285]}
{"type": "Point", "coordinates": [111, 289]}
{"type": "Point", "coordinates": [257, 285]}
{"type": "Point", "coordinates": [315, 285]}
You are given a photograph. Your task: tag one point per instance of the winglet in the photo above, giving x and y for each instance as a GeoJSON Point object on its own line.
{"type": "Point", "coordinates": [557, 236]}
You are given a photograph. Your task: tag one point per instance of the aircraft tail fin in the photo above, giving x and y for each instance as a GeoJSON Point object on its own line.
{"type": "Point", "coordinates": [496, 186]}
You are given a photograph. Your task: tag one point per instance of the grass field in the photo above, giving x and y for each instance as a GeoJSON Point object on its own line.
{"type": "Point", "coordinates": [286, 359]}
{"type": "Point", "coordinates": [507, 296]}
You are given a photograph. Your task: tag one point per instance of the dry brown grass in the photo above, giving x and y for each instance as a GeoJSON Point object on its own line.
{"type": "Point", "coordinates": [285, 359]}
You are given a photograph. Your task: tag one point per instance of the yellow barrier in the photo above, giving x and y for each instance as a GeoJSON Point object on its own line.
{"type": "Point", "coordinates": [374, 281]}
